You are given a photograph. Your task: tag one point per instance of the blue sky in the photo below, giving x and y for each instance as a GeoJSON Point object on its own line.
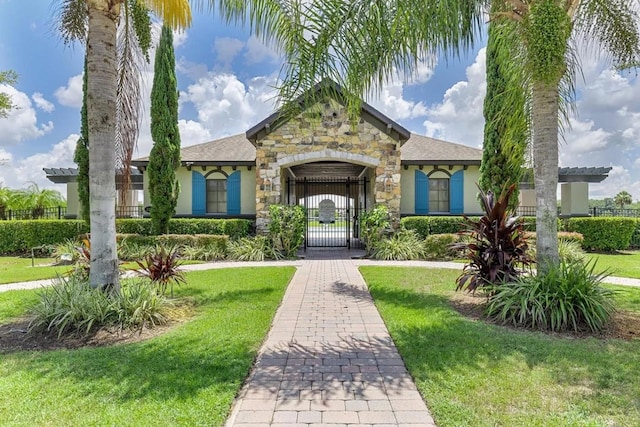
{"type": "Point", "coordinates": [225, 77]}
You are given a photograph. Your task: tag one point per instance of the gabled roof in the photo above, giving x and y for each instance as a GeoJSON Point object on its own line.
{"type": "Point", "coordinates": [328, 87]}
{"type": "Point", "coordinates": [239, 151]}
{"type": "Point", "coordinates": [423, 150]}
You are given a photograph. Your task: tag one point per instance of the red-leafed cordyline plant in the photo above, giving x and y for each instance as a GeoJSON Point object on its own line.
{"type": "Point", "coordinates": [162, 267]}
{"type": "Point", "coordinates": [494, 244]}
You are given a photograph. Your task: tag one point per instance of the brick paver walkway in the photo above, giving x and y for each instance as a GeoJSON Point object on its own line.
{"type": "Point", "coordinates": [329, 360]}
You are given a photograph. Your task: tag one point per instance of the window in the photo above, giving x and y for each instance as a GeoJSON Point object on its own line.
{"type": "Point", "coordinates": [217, 195]}
{"type": "Point", "coordinates": [438, 195]}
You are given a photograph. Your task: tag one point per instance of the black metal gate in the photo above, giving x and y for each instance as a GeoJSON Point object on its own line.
{"type": "Point", "coordinates": [333, 209]}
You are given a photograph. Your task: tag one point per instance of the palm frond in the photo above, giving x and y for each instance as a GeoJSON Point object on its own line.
{"type": "Point", "coordinates": [71, 20]}
{"type": "Point", "coordinates": [611, 28]}
{"type": "Point", "coordinates": [131, 60]}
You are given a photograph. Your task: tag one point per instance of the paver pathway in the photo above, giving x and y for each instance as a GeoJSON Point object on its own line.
{"type": "Point", "coordinates": [329, 360]}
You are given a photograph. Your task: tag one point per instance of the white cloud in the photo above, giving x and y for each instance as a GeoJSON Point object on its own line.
{"type": "Point", "coordinates": [226, 106]}
{"type": "Point", "coordinates": [390, 99]}
{"type": "Point", "coordinates": [258, 52]}
{"type": "Point", "coordinates": [17, 173]}
{"type": "Point", "coordinates": [458, 118]}
{"type": "Point", "coordinates": [42, 103]}
{"type": "Point", "coordinates": [179, 38]}
{"type": "Point", "coordinates": [192, 132]}
{"type": "Point", "coordinates": [226, 50]}
{"type": "Point", "coordinates": [71, 95]}
{"type": "Point", "coordinates": [22, 122]}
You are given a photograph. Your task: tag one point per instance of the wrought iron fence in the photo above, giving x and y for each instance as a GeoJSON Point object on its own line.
{"type": "Point", "coordinates": [629, 213]}
{"type": "Point", "coordinates": [632, 213]}
{"type": "Point", "coordinates": [60, 212]}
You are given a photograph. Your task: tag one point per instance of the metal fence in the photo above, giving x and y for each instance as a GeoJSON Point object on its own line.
{"type": "Point", "coordinates": [60, 212]}
{"type": "Point", "coordinates": [629, 213]}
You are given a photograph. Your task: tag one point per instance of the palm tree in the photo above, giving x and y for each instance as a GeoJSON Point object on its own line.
{"type": "Point", "coordinates": [623, 198]}
{"type": "Point", "coordinates": [36, 200]}
{"type": "Point", "coordinates": [95, 22]}
{"type": "Point", "coordinates": [361, 44]}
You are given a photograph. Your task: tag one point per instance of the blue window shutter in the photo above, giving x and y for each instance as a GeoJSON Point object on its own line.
{"type": "Point", "coordinates": [456, 192]}
{"type": "Point", "coordinates": [233, 194]}
{"type": "Point", "coordinates": [421, 193]}
{"type": "Point", "coordinates": [198, 194]}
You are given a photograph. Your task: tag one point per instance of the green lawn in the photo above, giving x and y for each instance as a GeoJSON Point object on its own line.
{"type": "Point", "coordinates": [623, 264]}
{"type": "Point", "coordinates": [15, 269]}
{"type": "Point", "coordinates": [476, 374]}
{"type": "Point", "coordinates": [188, 376]}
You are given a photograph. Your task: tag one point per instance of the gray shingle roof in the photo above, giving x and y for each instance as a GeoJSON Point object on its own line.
{"type": "Point", "coordinates": [234, 149]}
{"type": "Point", "coordinates": [423, 150]}
{"type": "Point", "coordinates": [237, 149]}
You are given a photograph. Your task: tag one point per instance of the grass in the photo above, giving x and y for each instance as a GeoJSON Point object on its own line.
{"type": "Point", "coordinates": [477, 374]}
{"type": "Point", "coordinates": [188, 376]}
{"type": "Point", "coordinates": [622, 264]}
{"type": "Point", "coordinates": [16, 269]}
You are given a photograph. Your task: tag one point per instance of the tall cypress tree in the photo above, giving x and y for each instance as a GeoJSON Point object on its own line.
{"type": "Point", "coordinates": [165, 154]}
{"type": "Point", "coordinates": [81, 155]}
{"type": "Point", "coordinates": [504, 130]}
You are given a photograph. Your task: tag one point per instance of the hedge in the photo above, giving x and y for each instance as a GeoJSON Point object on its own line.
{"type": "Point", "coordinates": [604, 233]}
{"type": "Point", "coordinates": [19, 236]}
{"type": "Point", "coordinates": [635, 238]}
{"type": "Point", "coordinates": [193, 240]}
{"type": "Point", "coordinates": [234, 228]}
{"type": "Point", "coordinates": [428, 225]}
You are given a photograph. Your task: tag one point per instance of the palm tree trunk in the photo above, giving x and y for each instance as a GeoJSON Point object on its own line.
{"type": "Point", "coordinates": [101, 118]}
{"type": "Point", "coordinates": [545, 99]}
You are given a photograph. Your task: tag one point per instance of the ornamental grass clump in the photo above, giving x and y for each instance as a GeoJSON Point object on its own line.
{"type": "Point", "coordinates": [257, 248]}
{"type": "Point", "coordinates": [567, 297]}
{"type": "Point", "coordinates": [402, 246]}
{"type": "Point", "coordinates": [494, 244]}
{"type": "Point", "coordinates": [72, 307]}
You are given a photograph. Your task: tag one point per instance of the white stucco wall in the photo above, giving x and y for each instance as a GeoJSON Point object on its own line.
{"type": "Point", "coordinates": [73, 204]}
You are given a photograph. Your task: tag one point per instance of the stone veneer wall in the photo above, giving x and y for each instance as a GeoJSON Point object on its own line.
{"type": "Point", "coordinates": [307, 139]}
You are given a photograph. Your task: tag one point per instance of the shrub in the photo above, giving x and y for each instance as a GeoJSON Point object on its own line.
{"type": "Point", "coordinates": [635, 237]}
{"type": "Point", "coordinates": [234, 228]}
{"type": "Point", "coordinates": [256, 248]}
{"type": "Point", "coordinates": [404, 245]}
{"type": "Point", "coordinates": [372, 227]}
{"type": "Point", "coordinates": [66, 252]}
{"type": "Point", "coordinates": [71, 306]}
{"type": "Point", "coordinates": [439, 247]}
{"type": "Point", "coordinates": [568, 296]}
{"type": "Point", "coordinates": [496, 246]}
{"type": "Point", "coordinates": [211, 252]}
{"type": "Point", "coordinates": [419, 224]}
{"type": "Point", "coordinates": [604, 233]}
{"type": "Point", "coordinates": [569, 245]}
{"type": "Point", "coordinates": [286, 228]}
{"type": "Point", "coordinates": [18, 237]}
{"type": "Point", "coordinates": [162, 268]}
{"type": "Point", "coordinates": [139, 305]}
